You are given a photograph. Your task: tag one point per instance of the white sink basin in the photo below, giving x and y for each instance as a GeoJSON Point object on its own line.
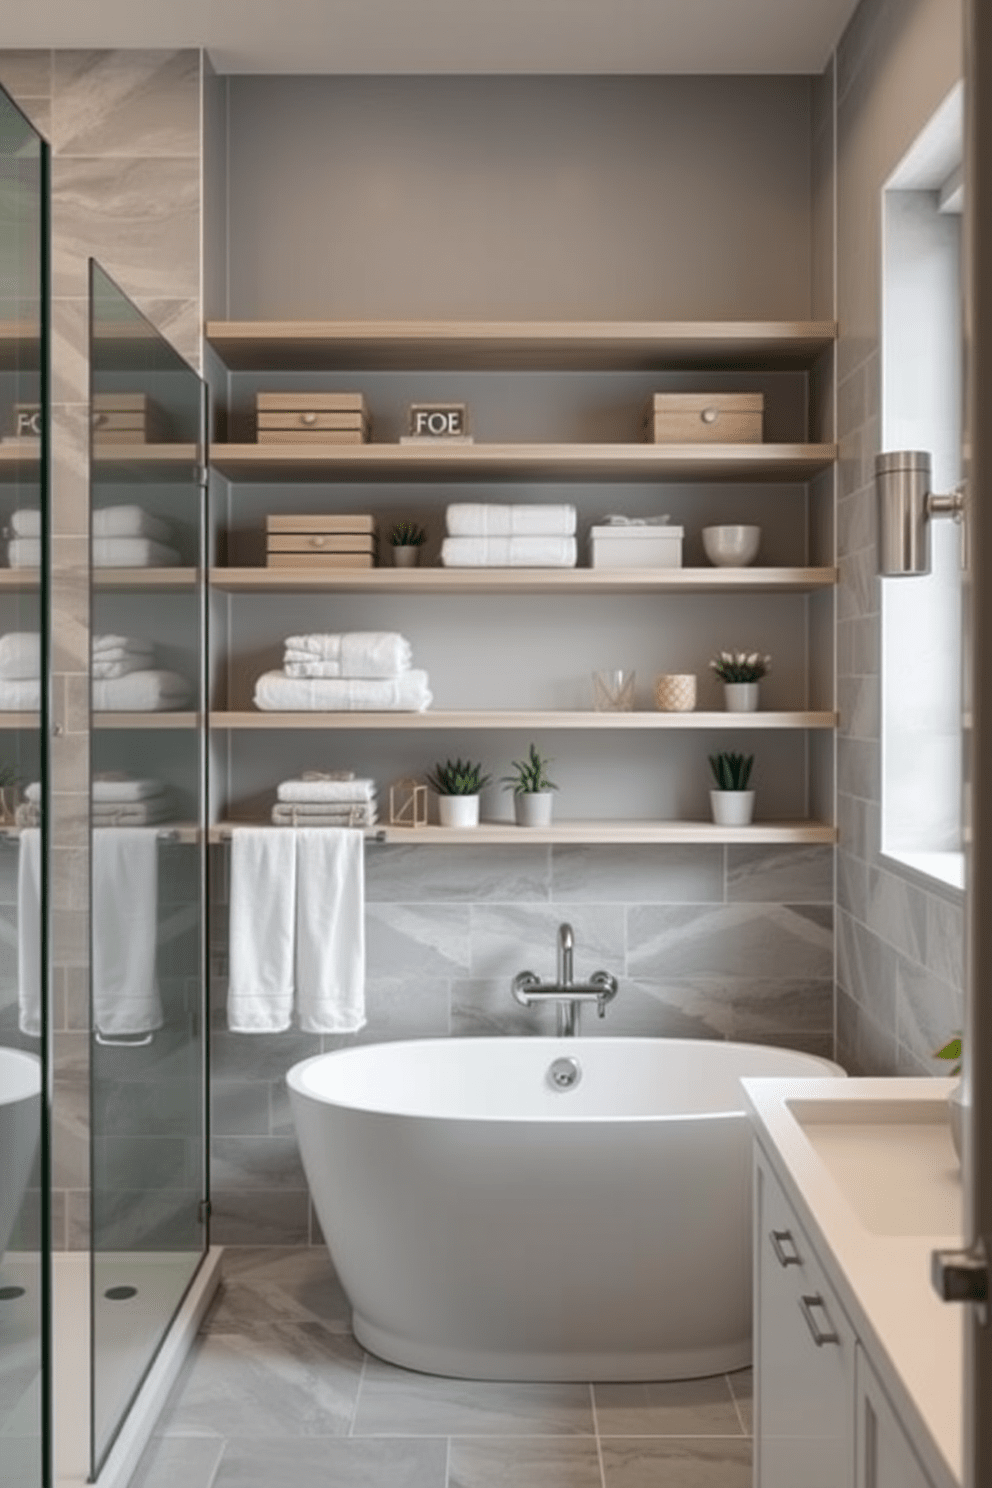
{"type": "Point", "coordinates": [893, 1161]}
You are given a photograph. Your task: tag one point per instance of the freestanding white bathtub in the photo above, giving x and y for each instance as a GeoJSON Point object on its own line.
{"type": "Point", "coordinates": [20, 1122]}
{"type": "Point", "coordinates": [489, 1224]}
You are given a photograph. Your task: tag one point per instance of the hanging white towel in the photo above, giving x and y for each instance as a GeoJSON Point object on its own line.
{"type": "Point", "coordinates": [263, 908]}
{"type": "Point", "coordinates": [330, 929]}
{"type": "Point", "coordinates": [125, 931]}
{"type": "Point", "coordinates": [29, 931]}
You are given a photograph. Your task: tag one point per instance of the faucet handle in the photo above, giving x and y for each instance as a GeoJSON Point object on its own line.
{"type": "Point", "coordinates": [606, 990]}
{"type": "Point", "coordinates": [523, 983]}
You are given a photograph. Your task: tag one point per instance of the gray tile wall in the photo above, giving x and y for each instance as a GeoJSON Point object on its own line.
{"type": "Point", "coordinates": [124, 129]}
{"type": "Point", "coordinates": [708, 942]}
{"type": "Point", "coordinates": [899, 942]}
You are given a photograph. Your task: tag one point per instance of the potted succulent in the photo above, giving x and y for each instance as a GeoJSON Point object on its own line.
{"type": "Point", "coordinates": [740, 672]}
{"type": "Point", "coordinates": [731, 802]}
{"type": "Point", "coordinates": [532, 790]}
{"type": "Point", "coordinates": [458, 783]}
{"type": "Point", "coordinates": [406, 538]}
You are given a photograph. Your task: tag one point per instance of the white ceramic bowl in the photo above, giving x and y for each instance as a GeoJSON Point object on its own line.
{"type": "Point", "coordinates": [731, 547]}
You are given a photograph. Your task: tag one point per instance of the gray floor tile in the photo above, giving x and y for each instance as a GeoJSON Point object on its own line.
{"type": "Point", "coordinates": [168, 1460]}
{"type": "Point", "coordinates": [701, 1407]}
{"type": "Point", "coordinates": [337, 1463]}
{"type": "Point", "coordinates": [532, 1463]}
{"type": "Point", "coordinates": [262, 1286]}
{"type": "Point", "coordinates": [742, 1388]}
{"type": "Point", "coordinates": [280, 1381]}
{"type": "Point", "coordinates": [398, 1402]}
{"type": "Point", "coordinates": [693, 1462]}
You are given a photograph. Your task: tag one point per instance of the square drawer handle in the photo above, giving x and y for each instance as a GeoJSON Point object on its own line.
{"type": "Point", "coordinates": [819, 1336]}
{"type": "Point", "coordinates": [780, 1239]}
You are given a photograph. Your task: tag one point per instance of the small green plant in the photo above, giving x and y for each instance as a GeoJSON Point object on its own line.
{"type": "Point", "coordinates": [741, 666]}
{"type": "Point", "coordinates": [457, 778]}
{"type": "Point", "coordinates": [731, 771]}
{"type": "Point", "coordinates": [8, 776]}
{"type": "Point", "coordinates": [407, 535]}
{"type": "Point", "coordinates": [530, 775]}
{"type": "Point", "coordinates": [951, 1050]}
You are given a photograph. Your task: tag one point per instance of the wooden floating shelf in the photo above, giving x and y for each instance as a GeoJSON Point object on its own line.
{"type": "Point", "coordinates": [525, 580]}
{"type": "Point", "coordinates": [325, 346]}
{"type": "Point", "coordinates": [19, 720]}
{"type": "Point", "coordinates": [108, 720]}
{"type": "Point", "coordinates": [27, 580]}
{"type": "Point", "coordinates": [146, 462]}
{"type": "Point", "coordinates": [535, 462]}
{"type": "Point", "coordinates": [437, 719]}
{"type": "Point", "coordinates": [592, 832]}
{"type": "Point", "coordinates": [20, 462]}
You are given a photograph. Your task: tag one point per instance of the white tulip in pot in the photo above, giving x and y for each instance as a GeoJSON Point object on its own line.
{"type": "Point", "coordinates": [532, 790]}
{"type": "Point", "coordinates": [457, 783]}
{"type": "Point", "coordinates": [740, 672]}
{"type": "Point", "coordinates": [731, 802]}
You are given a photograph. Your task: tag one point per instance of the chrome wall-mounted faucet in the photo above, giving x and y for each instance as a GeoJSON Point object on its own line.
{"type": "Point", "coordinates": [567, 994]}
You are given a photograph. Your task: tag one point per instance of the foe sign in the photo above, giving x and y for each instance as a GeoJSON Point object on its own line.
{"type": "Point", "coordinates": [438, 420]}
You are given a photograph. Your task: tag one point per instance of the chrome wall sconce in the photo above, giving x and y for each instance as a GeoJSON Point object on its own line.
{"type": "Point", "coordinates": [906, 506]}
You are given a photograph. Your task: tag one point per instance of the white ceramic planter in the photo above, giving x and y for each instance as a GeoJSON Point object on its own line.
{"type": "Point", "coordinates": [533, 808]}
{"type": "Point", "coordinates": [406, 557]}
{"type": "Point", "coordinates": [741, 697]}
{"type": "Point", "coordinates": [732, 808]}
{"type": "Point", "coordinates": [458, 811]}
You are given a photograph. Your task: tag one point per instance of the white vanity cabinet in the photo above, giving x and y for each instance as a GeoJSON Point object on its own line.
{"type": "Point", "coordinates": [884, 1454]}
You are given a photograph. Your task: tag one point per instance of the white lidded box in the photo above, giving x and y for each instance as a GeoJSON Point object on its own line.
{"type": "Point", "coordinates": [635, 547]}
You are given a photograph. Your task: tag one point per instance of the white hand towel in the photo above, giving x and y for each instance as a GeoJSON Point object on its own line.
{"type": "Point", "coordinates": [330, 929]}
{"type": "Point", "coordinates": [29, 931]}
{"type": "Point", "coordinates": [355, 653]}
{"type": "Point", "coordinates": [139, 692]}
{"type": "Point", "coordinates": [20, 697]}
{"type": "Point", "coordinates": [26, 522]}
{"type": "Point", "coordinates": [129, 521]}
{"type": "Point", "coordinates": [20, 655]}
{"type": "Point", "coordinates": [131, 813]}
{"type": "Point", "coordinates": [109, 790]}
{"type": "Point", "coordinates": [106, 671]}
{"type": "Point", "coordinates": [117, 647]}
{"type": "Point", "coordinates": [132, 552]}
{"type": "Point", "coordinates": [298, 814]}
{"type": "Point", "coordinates": [275, 692]}
{"type": "Point", "coordinates": [484, 519]}
{"type": "Point", "coordinates": [24, 552]}
{"type": "Point", "coordinates": [125, 931]}
{"type": "Point", "coordinates": [262, 930]}
{"type": "Point", "coordinates": [337, 791]}
{"type": "Point", "coordinates": [509, 552]}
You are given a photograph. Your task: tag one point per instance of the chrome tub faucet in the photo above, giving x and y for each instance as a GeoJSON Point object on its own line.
{"type": "Point", "coordinates": [567, 994]}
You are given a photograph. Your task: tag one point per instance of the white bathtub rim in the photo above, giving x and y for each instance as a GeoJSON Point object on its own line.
{"type": "Point", "coordinates": [21, 1076]}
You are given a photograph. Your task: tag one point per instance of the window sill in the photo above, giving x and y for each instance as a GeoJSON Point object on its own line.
{"type": "Point", "coordinates": [935, 870]}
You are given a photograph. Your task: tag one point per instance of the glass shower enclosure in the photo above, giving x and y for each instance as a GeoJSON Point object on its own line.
{"type": "Point", "coordinates": [148, 1117]}
{"type": "Point", "coordinates": [25, 1440]}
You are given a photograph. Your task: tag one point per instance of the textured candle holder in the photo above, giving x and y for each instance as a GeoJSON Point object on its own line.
{"type": "Point", "coordinates": [675, 692]}
{"type": "Point", "coordinates": [408, 804]}
{"type": "Point", "coordinates": [613, 691]}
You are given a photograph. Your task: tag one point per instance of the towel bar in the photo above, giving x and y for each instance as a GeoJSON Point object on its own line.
{"type": "Point", "coordinates": [124, 1043]}
{"type": "Point", "coordinates": [224, 834]}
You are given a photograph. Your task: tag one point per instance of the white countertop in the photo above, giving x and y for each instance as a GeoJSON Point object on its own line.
{"type": "Point", "coordinates": [872, 1192]}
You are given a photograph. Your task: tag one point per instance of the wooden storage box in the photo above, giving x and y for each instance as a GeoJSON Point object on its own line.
{"type": "Point", "coordinates": [704, 418]}
{"type": "Point", "coordinates": [127, 418]}
{"type": "Point", "coordinates": [311, 418]}
{"type": "Point", "coordinates": [635, 547]}
{"type": "Point", "coordinates": [320, 541]}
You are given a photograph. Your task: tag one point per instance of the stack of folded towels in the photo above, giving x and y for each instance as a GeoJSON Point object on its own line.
{"type": "Point", "coordinates": [123, 537]}
{"type": "Point", "coordinates": [125, 678]}
{"type": "Point", "coordinates": [118, 800]}
{"type": "Point", "coordinates": [357, 671]}
{"type": "Point", "coordinates": [488, 536]}
{"type": "Point", "coordinates": [337, 799]}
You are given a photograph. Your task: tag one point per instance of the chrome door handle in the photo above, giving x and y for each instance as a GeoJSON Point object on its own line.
{"type": "Point", "coordinates": [780, 1239]}
{"type": "Point", "coordinates": [806, 1306]}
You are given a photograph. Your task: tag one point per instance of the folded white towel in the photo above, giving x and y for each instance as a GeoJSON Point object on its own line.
{"type": "Point", "coordinates": [118, 647]}
{"type": "Point", "coordinates": [104, 671]}
{"type": "Point", "coordinates": [275, 692]}
{"type": "Point", "coordinates": [139, 692]}
{"type": "Point", "coordinates": [129, 521]}
{"type": "Point", "coordinates": [330, 929]}
{"type": "Point", "coordinates": [509, 552]}
{"type": "Point", "coordinates": [262, 930]}
{"type": "Point", "coordinates": [355, 653]}
{"type": "Point", "coordinates": [300, 814]}
{"type": "Point", "coordinates": [110, 790]}
{"type": "Point", "coordinates": [131, 813]}
{"type": "Point", "coordinates": [29, 931]}
{"type": "Point", "coordinates": [337, 791]}
{"type": "Point", "coordinates": [108, 552]}
{"type": "Point", "coordinates": [26, 522]}
{"type": "Point", "coordinates": [20, 655]}
{"type": "Point", "coordinates": [485, 519]}
{"type": "Point", "coordinates": [23, 696]}
{"type": "Point", "coordinates": [125, 931]}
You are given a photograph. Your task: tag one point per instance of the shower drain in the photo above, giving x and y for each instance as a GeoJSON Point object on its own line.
{"type": "Point", "coordinates": [8, 1293]}
{"type": "Point", "coordinates": [120, 1293]}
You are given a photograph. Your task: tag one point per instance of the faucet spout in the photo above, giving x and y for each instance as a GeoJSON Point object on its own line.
{"type": "Point", "coordinates": [566, 949]}
{"type": "Point", "coordinates": [566, 993]}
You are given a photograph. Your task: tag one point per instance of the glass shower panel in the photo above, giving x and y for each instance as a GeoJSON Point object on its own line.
{"type": "Point", "coordinates": [24, 1188]}
{"type": "Point", "coordinates": [148, 1128]}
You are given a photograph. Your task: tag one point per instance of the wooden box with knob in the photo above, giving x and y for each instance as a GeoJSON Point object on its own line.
{"type": "Point", "coordinates": [321, 540]}
{"type": "Point", "coordinates": [704, 418]}
{"type": "Point", "coordinates": [312, 418]}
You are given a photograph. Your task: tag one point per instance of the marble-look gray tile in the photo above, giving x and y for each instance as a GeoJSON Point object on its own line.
{"type": "Point", "coordinates": [262, 1286]}
{"type": "Point", "coordinates": [347, 1463]}
{"type": "Point", "coordinates": [637, 874]}
{"type": "Point", "coordinates": [415, 874]}
{"type": "Point", "coordinates": [860, 708]}
{"type": "Point", "coordinates": [507, 939]}
{"type": "Point", "coordinates": [258, 1056]}
{"type": "Point", "coordinates": [406, 941]}
{"type": "Point", "coordinates": [695, 1462]}
{"type": "Point", "coordinates": [859, 768]}
{"type": "Point", "coordinates": [897, 912]}
{"type": "Point", "coordinates": [289, 1381]}
{"type": "Point", "coordinates": [139, 217]}
{"type": "Point", "coordinates": [857, 589]}
{"type": "Point", "coordinates": [190, 1460]}
{"type": "Point", "coordinates": [114, 103]}
{"type": "Point", "coordinates": [70, 470]}
{"type": "Point", "coordinates": [70, 351]}
{"type": "Point", "coordinates": [863, 1046]}
{"type": "Point", "coordinates": [700, 1407]}
{"type": "Point", "coordinates": [400, 1008]}
{"type": "Point", "coordinates": [735, 940]}
{"type": "Point", "coordinates": [531, 1463]}
{"type": "Point", "coordinates": [239, 1108]}
{"type": "Point", "coordinates": [742, 1388]}
{"type": "Point", "coordinates": [928, 1013]}
{"type": "Point", "coordinates": [783, 875]}
{"type": "Point", "coordinates": [259, 1217]}
{"type": "Point", "coordinates": [396, 1402]}
{"type": "Point", "coordinates": [26, 73]}
{"type": "Point", "coordinates": [483, 1009]}
{"type": "Point", "coordinates": [256, 1162]}
{"type": "Point", "coordinates": [747, 1009]}
{"type": "Point", "coordinates": [945, 939]}
{"type": "Point", "coordinates": [179, 321]}
{"type": "Point", "coordinates": [866, 969]}
{"type": "Point", "coordinates": [852, 885]}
